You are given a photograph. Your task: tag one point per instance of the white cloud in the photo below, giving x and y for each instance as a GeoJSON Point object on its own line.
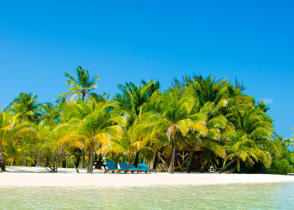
{"type": "Point", "coordinates": [268, 100]}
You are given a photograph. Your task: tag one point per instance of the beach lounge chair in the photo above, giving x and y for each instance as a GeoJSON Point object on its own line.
{"type": "Point", "coordinates": [145, 167]}
{"type": "Point", "coordinates": [129, 167]}
{"type": "Point", "coordinates": [111, 167]}
{"type": "Point", "coordinates": [124, 166]}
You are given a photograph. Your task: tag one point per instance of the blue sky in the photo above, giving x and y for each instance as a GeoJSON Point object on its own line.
{"type": "Point", "coordinates": [132, 40]}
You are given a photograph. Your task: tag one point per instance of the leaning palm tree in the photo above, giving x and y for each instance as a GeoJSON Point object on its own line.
{"type": "Point", "coordinates": [80, 86]}
{"type": "Point", "coordinates": [93, 123]}
{"type": "Point", "coordinates": [172, 114]}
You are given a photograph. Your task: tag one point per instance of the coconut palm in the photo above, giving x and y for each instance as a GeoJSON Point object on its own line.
{"type": "Point", "coordinates": [26, 107]}
{"type": "Point", "coordinates": [10, 130]}
{"type": "Point", "coordinates": [7, 122]}
{"type": "Point", "coordinates": [241, 148]}
{"type": "Point", "coordinates": [252, 140]}
{"type": "Point", "coordinates": [208, 89]}
{"type": "Point", "coordinates": [131, 102]}
{"type": "Point", "coordinates": [48, 150]}
{"type": "Point", "coordinates": [93, 124]}
{"type": "Point", "coordinates": [49, 113]}
{"type": "Point", "coordinates": [133, 98]}
{"type": "Point", "coordinates": [80, 86]}
{"type": "Point", "coordinates": [173, 114]}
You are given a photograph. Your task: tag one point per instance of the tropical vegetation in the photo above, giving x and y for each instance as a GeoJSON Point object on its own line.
{"type": "Point", "coordinates": [198, 123]}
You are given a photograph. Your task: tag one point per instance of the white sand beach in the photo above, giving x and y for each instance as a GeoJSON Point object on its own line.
{"type": "Point", "coordinates": [31, 176]}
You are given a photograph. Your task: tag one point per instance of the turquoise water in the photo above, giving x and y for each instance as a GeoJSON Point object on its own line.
{"type": "Point", "coordinates": [241, 196]}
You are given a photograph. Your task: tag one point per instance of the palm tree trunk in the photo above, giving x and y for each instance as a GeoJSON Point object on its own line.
{"type": "Point", "coordinates": [64, 163]}
{"type": "Point", "coordinates": [154, 161]}
{"type": "Point", "coordinates": [190, 161]}
{"type": "Point", "coordinates": [171, 168]}
{"type": "Point", "coordinates": [83, 96]}
{"type": "Point", "coordinates": [24, 160]}
{"type": "Point", "coordinates": [116, 160]}
{"type": "Point", "coordinates": [77, 155]}
{"type": "Point", "coordinates": [83, 158]}
{"type": "Point", "coordinates": [91, 159]}
{"type": "Point", "coordinates": [136, 159]}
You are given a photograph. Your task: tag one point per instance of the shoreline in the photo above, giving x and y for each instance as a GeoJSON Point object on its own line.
{"type": "Point", "coordinates": [37, 177]}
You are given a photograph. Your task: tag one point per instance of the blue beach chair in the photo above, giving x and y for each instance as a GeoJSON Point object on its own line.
{"type": "Point", "coordinates": [144, 166]}
{"type": "Point", "coordinates": [129, 168]}
{"type": "Point", "coordinates": [124, 166]}
{"type": "Point", "coordinates": [111, 167]}
{"type": "Point", "coordinates": [138, 170]}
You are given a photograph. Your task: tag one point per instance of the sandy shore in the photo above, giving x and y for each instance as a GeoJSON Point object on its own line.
{"type": "Point", "coordinates": [29, 176]}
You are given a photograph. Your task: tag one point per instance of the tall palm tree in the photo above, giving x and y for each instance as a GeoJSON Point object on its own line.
{"type": "Point", "coordinates": [211, 97]}
{"type": "Point", "coordinates": [93, 123]}
{"type": "Point", "coordinates": [172, 114]}
{"type": "Point", "coordinates": [80, 86]}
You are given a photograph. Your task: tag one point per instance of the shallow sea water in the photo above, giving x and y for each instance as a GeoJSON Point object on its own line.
{"type": "Point", "coordinates": [236, 196]}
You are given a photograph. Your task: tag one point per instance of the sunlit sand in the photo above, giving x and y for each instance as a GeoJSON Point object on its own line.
{"type": "Point", "coordinates": [31, 176]}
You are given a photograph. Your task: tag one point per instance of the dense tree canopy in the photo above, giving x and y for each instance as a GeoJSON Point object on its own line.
{"type": "Point", "coordinates": [197, 124]}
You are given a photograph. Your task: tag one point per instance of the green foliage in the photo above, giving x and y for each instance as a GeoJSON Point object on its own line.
{"type": "Point", "coordinates": [197, 123]}
{"type": "Point", "coordinates": [281, 166]}
{"type": "Point", "coordinates": [81, 85]}
{"type": "Point", "coordinates": [26, 107]}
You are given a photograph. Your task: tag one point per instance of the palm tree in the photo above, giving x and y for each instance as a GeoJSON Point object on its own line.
{"type": "Point", "coordinates": [48, 148]}
{"type": "Point", "coordinates": [208, 89]}
{"type": "Point", "coordinates": [80, 86]}
{"type": "Point", "coordinates": [93, 123]}
{"type": "Point", "coordinates": [131, 102]}
{"type": "Point", "coordinates": [133, 98]}
{"type": "Point", "coordinates": [49, 113]}
{"type": "Point", "coordinates": [26, 107]}
{"type": "Point", "coordinates": [10, 130]}
{"type": "Point", "coordinates": [7, 122]}
{"type": "Point", "coordinates": [172, 114]}
{"type": "Point", "coordinates": [241, 148]}
{"type": "Point", "coordinates": [252, 139]}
